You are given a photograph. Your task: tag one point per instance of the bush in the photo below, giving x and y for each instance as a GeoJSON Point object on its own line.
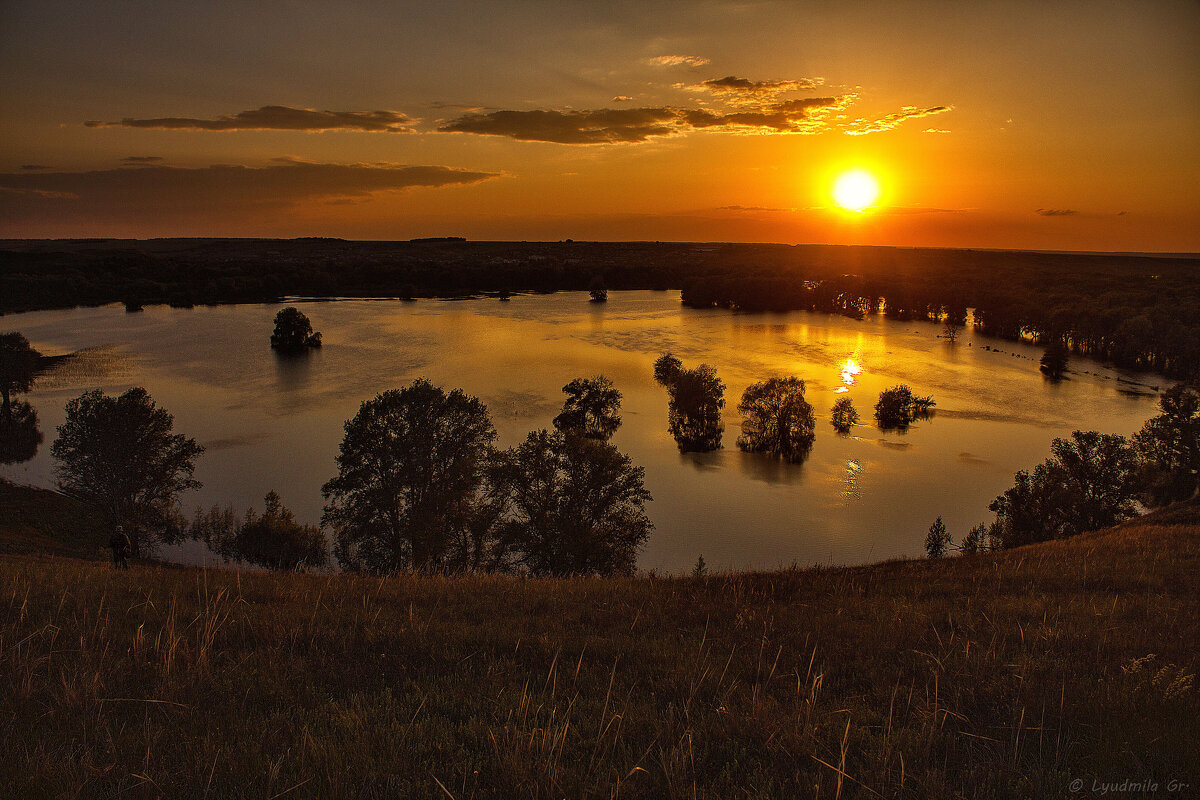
{"type": "Point", "coordinates": [777, 419]}
{"type": "Point", "coordinates": [898, 407]}
{"type": "Point", "coordinates": [293, 331]}
{"type": "Point", "coordinates": [843, 415]}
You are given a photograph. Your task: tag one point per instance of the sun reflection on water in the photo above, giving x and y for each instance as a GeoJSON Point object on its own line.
{"type": "Point", "coordinates": [850, 372]}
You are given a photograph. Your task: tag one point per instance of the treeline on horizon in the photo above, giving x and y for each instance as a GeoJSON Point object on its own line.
{"type": "Point", "coordinates": [1136, 312]}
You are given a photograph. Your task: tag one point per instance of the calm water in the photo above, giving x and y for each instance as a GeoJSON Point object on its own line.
{"type": "Point", "coordinates": [269, 423]}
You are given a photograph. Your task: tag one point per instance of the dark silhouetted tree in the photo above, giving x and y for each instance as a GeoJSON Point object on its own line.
{"type": "Point", "coordinates": [1054, 360]}
{"type": "Point", "coordinates": [18, 368]}
{"type": "Point", "coordinates": [120, 455]}
{"type": "Point", "coordinates": [696, 397]}
{"type": "Point", "coordinates": [597, 290]}
{"type": "Point", "coordinates": [843, 416]}
{"type": "Point", "coordinates": [275, 540]}
{"type": "Point", "coordinates": [592, 408]}
{"type": "Point", "coordinates": [293, 331]}
{"type": "Point", "coordinates": [1169, 445]}
{"type": "Point", "coordinates": [1089, 482]}
{"type": "Point", "coordinates": [666, 368]}
{"type": "Point", "coordinates": [575, 506]}
{"type": "Point", "coordinates": [976, 540]}
{"type": "Point", "coordinates": [410, 467]}
{"type": "Point", "coordinates": [897, 407]}
{"type": "Point", "coordinates": [777, 419]}
{"type": "Point", "coordinates": [937, 541]}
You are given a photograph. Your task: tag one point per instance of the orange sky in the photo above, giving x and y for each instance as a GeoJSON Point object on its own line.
{"type": "Point", "coordinates": [1027, 125]}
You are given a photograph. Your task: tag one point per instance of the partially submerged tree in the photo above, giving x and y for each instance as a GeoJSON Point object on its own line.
{"type": "Point", "coordinates": [666, 369]}
{"type": "Point", "coordinates": [898, 407]}
{"type": "Point", "coordinates": [843, 416]}
{"type": "Point", "coordinates": [1169, 445]}
{"type": "Point", "coordinates": [409, 468]}
{"type": "Point", "coordinates": [597, 290]}
{"type": "Point", "coordinates": [20, 435]}
{"type": "Point", "coordinates": [696, 397]}
{"type": "Point", "coordinates": [1054, 360]}
{"type": "Point", "coordinates": [18, 368]}
{"type": "Point", "coordinates": [293, 331]}
{"type": "Point", "coordinates": [575, 506]}
{"type": "Point", "coordinates": [777, 419]}
{"type": "Point", "coordinates": [120, 455]}
{"type": "Point", "coordinates": [592, 408]}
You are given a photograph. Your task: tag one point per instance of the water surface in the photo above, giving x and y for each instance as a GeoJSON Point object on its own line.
{"type": "Point", "coordinates": [276, 423]}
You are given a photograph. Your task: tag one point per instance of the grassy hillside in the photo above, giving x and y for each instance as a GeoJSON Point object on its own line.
{"type": "Point", "coordinates": [1007, 675]}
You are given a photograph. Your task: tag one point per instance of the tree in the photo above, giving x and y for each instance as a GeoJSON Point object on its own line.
{"type": "Point", "coordinates": [937, 541]}
{"type": "Point", "coordinates": [696, 397]}
{"type": "Point", "coordinates": [1088, 483]}
{"type": "Point", "coordinates": [1169, 446]}
{"type": "Point", "coordinates": [898, 407]}
{"type": "Point", "coordinates": [293, 331]}
{"type": "Point", "coordinates": [777, 419]}
{"type": "Point", "coordinates": [666, 369]}
{"type": "Point", "coordinates": [976, 540]}
{"type": "Point", "coordinates": [18, 368]}
{"type": "Point", "coordinates": [410, 466]}
{"type": "Point", "coordinates": [1054, 360]}
{"type": "Point", "coordinates": [597, 290]}
{"type": "Point", "coordinates": [274, 540]}
{"type": "Point", "coordinates": [592, 408]}
{"type": "Point", "coordinates": [574, 506]}
{"type": "Point", "coordinates": [843, 416]}
{"type": "Point", "coordinates": [120, 455]}
{"type": "Point", "coordinates": [950, 331]}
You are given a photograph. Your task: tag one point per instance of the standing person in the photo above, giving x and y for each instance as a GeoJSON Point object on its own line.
{"type": "Point", "coordinates": [120, 545]}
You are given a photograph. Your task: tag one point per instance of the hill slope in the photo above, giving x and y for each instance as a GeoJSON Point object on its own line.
{"type": "Point", "coordinates": [1006, 675]}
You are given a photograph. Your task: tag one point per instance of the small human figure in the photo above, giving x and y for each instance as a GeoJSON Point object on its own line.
{"type": "Point", "coordinates": [121, 546]}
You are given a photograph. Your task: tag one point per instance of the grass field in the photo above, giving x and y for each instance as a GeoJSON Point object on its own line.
{"type": "Point", "coordinates": [1006, 675]}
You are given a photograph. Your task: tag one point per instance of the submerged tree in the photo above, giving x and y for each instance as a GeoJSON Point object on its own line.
{"type": "Point", "coordinates": [597, 290]}
{"type": "Point", "coordinates": [1169, 445]}
{"type": "Point", "coordinates": [120, 455]}
{"type": "Point", "coordinates": [18, 368]}
{"type": "Point", "coordinates": [777, 419]}
{"type": "Point", "coordinates": [898, 407]}
{"type": "Point", "coordinates": [574, 506]}
{"type": "Point", "coordinates": [843, 416]}
{"type": "Point", "coordinates": [666, 369]}
{"type": "Point", "coordinates": [1054, 360]}
{"type": "Point", "coordinates": [409, 468]}
{"type": "Point", "coordinates": [293, 331]}
{"type": "Point", "coordinates": [696, 397]}
{"type": "Point", "coordinates": [592, 408]}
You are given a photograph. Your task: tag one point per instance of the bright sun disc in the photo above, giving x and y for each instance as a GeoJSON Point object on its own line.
{"type": "Point", "coordinates": [855, 190]}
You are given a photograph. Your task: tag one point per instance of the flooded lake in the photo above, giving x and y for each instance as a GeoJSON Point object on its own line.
{"type": "Point", "coordinates": [273, 423]}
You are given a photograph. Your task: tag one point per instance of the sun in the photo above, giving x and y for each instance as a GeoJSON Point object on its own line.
{"type": "Point", "coordinates": [856, 190]}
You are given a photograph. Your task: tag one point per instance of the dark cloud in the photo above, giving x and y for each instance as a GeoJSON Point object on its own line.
{"type": "Point", "coordinates": [610, 126]}
{"type": "Point", "coordinates": [160, 191]}
{"type": "Point", "coordinates": [890, 121]}
{"type": "Point", "coordinates": [277, 118]}
{"type": "Point", "coordinates": [731, 84]}
{"type": "Point", "coordinates": [32, 167]}
{"type": "Point", "coordinates": [141, 159]}
{"type": "Point", "coordinates": [1057, 212]}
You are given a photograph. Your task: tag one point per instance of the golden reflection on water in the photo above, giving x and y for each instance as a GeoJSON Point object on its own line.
{"type": "Point", "coordinates": [850, 480]}
{"type": "Point", "coordinates": [850, 372]}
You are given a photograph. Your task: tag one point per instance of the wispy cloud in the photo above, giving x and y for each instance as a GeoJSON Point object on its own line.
{"type": "Point", "coordinates": [141, 159]}
{"type": "Point", "coordinates": [891, 121]}
{"type": "Point", "coordinates": [744, 87]}
{"type": "Point", "coordinates": [280, 118]}
{"type": "Point", "coordinates": [33, 167]}
{"type": "Point", "coordinates": [678, 61]}
{"type": "Point", "coordinates": [1057, 212]}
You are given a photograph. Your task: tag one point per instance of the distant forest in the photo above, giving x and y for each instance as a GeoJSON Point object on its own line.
{"type": "Point", "coordinates": [1137, 312]}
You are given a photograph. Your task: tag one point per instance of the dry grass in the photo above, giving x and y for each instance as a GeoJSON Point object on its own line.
{"type": "Point", "coordinates": [1002, 675]}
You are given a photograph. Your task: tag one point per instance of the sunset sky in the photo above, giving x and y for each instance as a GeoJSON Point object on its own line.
{"type": "Point", "coordinates": [1055, 125]}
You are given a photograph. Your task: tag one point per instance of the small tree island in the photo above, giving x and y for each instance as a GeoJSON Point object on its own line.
{"type": "Point", "coordinates": [293, 332]}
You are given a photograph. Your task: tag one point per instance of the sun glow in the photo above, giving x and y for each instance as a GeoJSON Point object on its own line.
{"type": "Point", "coordinates": [856, 190]}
